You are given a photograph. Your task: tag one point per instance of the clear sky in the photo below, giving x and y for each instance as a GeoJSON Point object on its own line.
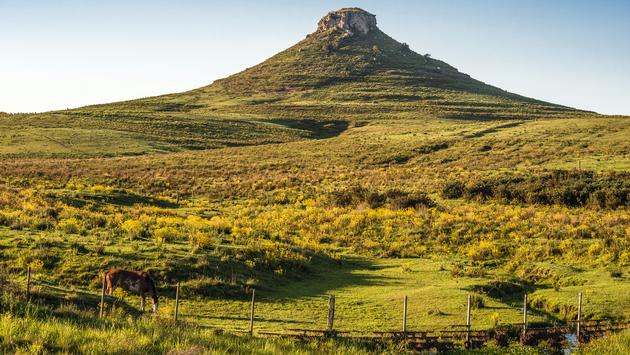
{"type": "Point", "coordinates": [64, 53]}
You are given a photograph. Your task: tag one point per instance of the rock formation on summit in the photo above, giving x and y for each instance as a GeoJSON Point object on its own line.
{"type": "Point", "coordinates": [350, 20]}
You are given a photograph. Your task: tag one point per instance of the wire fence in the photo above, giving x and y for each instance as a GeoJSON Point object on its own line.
{"type": "Point", "coordinates": [567, 335]}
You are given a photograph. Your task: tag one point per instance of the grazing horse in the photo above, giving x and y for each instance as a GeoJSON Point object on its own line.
{"type": "Point", "coordinates": [137, 282]}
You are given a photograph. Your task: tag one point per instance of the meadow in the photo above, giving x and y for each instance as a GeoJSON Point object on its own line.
{"type": "Point", "coordinates": [366, 216]}
{"type": "Point", "coordinates": [357, 169]}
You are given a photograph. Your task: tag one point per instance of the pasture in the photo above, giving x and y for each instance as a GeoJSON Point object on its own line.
{"type": "Point", "coordinates": [361, 215]}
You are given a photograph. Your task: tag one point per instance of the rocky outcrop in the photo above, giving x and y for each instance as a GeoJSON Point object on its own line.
{"type": "Point", "coordinates": [350, 20]}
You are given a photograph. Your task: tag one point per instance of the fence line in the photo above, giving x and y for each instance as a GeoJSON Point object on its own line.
{"type": "Point", "coordinates": [421, 339]}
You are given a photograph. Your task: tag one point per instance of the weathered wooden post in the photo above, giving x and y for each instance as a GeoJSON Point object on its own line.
{"type": "Point", "coordinates": [102, 305]}
{"type": "Point", "coordinates": [579, 318]}
{"type": "Point", "coordinates": [468, 322]}
{"type": "Point", "coordinates": [176, 316]}
{"type": "Point", "coordinates": [405, 317]}
{"type": "Point", "coordinates": [331, 314]}
{"type": "Point", "coordinates": [524, 318]}
{"type": "Point", "coordinates": [251, 314]}
{"type": "Point", "coordinates": [28, 284]}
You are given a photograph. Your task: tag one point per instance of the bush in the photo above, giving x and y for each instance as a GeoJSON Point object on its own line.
{"type": "Point", "coordinates": [477, 302]}
{"type": "Point", "coordinates": [70, 226]}
{"type": "Point", "coordinates": [395, 198]}
{"type": "Point", "coordinates": [453, 190]}
{"type": "Point", "coordinates": [430, 148]}
{"type": "Point", "coordinates": [484, 250]}
{"type": "Point", "coordinates": [166, 234]}
{"type": "Point", "coordinates": [400, 199]}
{"type": "Point", "coordinates": [500, 289]}
{"type": "Point", "coordinates": [132, 229]}
{"type": "Point", "coordinates": [479, 190]}
{"type": "Point", "coordinates": [561, 187]}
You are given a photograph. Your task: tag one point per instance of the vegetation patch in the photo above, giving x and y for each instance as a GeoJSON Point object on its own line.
{"type": "Point", "coordinates": [560, 187]}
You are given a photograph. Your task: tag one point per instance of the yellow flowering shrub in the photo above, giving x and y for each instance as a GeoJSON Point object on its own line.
{"type": "Point", "coordinates": [132, 229]}
{"type": "Point", "coordinates": [70, 225]}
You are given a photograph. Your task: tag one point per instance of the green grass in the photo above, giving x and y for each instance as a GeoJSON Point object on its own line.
{"type": "Point", "coordinates": [613, 344]}
{"type": "Point", "coordinates": [115, 134]}
{"type": "Point", "coordinates": [241, 185]}
{"type": "Point", "coordinates": [369, 291]}
{"type": "Point", "coordinates": [42, 330]}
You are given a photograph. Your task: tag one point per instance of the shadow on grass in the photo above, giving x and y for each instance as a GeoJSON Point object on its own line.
{"type": "Point", "coordinates": [207, 277]}
{"type": "Point", "coordinates": [317, 129]}
{"type": "Point", "coordinates": [115, 198]}
{"type": "Point", "coordinates": [494, 129]}
{"type": "Point", "coordinates": [511, 294]}
{"type": "Point", "coordinates": [328, 276]}
{"type": "Point", "coordinates": [59, 299]}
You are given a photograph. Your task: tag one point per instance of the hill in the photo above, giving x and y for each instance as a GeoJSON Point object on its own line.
{"type": "Point", "coordinates": [335, 78]}
{"type": "Point", "coordinates": [339, 71]}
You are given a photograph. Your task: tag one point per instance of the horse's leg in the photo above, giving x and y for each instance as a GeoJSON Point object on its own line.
{"type": "Point", "coordinates": [110, 285]}
{"type": "Point", "coordinates": [142, 301]}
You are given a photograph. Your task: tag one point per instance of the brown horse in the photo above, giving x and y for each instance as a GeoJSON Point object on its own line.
{"type": "Point", "coordinates": [137, 282]}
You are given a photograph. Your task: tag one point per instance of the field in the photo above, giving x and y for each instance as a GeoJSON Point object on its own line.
{"type": "Point", "coordinates": [356, 169]}
{"type": "Point", "coordinates": [362, 216]}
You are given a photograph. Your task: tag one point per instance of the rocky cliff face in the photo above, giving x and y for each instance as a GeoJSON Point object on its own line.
{"type": "Point", "coordinates": [351, 21]}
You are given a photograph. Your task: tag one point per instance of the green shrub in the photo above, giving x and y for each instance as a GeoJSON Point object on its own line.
{"type": "Point", "coordinates": [132, 229]}
{"type": "Point", "coordinates": [567, 188]}
{"type": "Point", "coordinates": [70, 225]}
{"type": "Point", "coordinates": [166, 234]}
{"type": "Point", "coordinates": [477, 302]}
{"type": "Point", "coordinates": [395, 198]}
{"type": "Point", "coordinates": [484, 250]}
{"type": "Point", "coordinates": [453, 189]}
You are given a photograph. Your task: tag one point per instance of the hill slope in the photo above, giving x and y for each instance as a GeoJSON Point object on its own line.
{"type": "Point", "coordinates": [348, 70]}
{"type": "Point", "coordinates": [336, 72]}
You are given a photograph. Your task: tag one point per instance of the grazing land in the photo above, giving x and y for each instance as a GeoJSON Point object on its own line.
{"type": "Point", "coordinates": [346, 166]}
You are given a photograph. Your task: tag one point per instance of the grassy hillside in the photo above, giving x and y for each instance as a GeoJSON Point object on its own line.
{"type": "Point", "coordinates": [315, 89]}
{"type": "Point", "coordinates": [73, 134]}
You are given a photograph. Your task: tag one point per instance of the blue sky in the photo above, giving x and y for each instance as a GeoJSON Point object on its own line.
{"type": "Point", "coordinates": [60, 54]}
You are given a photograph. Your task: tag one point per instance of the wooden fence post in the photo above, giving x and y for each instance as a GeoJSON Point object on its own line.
{"type": "Point", "coordinates": [251, 314]}
{"type": "Point", "coordinates": [468, 322]}
{"type": "Point", "coordinates": [524, 318]}
{"type": "Point", "coordinates": [176, 315]}
{"type": "Point", "coordinates": [102, 305]}
{"type": "Point", "coordinates": [331, 313]}
{"type": "Point", "coordinates": [405, 317]}
{"type": "Point", "coordinates": [28, 284]}
{"type": "Point", "coordinates": [579, 318]}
